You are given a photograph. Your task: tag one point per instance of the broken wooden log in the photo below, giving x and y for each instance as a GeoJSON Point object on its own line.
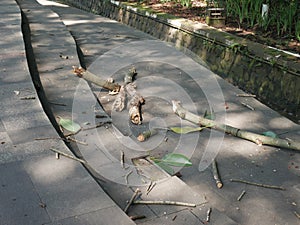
{"type": "Point", "coordinates": [85, 74]}
{"type": "Point", "coordinates": [135, 104]}
{"type": "Point", "coordinates": [147, 134]}
{"type": "Point", "coordinates": [250, 136]}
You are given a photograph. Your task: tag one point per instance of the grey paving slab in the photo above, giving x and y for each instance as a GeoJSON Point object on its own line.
{"type": "Point", "coordinates": [237, 158]}
{"type": "Point", "coordinates": [36, 188]}
{"type": "Point", "coordinates": [172, 189]}
{"type": "Point", "coordinates": [182, 217]}
{"type": "Point", "coordinates": [17, 207]}
{"type": "Point", "coordinates": [111, 215]}
{"type": "Point", "coordinates": [65, 187]}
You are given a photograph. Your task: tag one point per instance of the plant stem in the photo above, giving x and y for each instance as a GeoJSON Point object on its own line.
{"type": "Point", "coordinates": [257, 184]}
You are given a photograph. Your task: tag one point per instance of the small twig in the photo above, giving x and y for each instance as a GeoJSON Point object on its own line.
{"type": "Point", "coordinates": [96, 126]}
{"type": "Point", "coordinates": [28, 98]}
{"type": "Point", "coordinates": [174, 217]}
{"type": "Point", "coordinates": [47, 138]}
{"type": "Point", "coordinates": [131, 200]}
{"type": "Point", "coordinates": [297, 215]}
{"type": "Point", "coordinates": [77, 141]}
{"type": "Point", "coordinates": [55, 103]}
{"type": "Point", "coordinates": [245, 95]}
{"type": "Point", "coordinates": [248, 106]}
{"type": "Point", "coordinates": [122, 158]}
{"type": "Point", "coordinates": [127, 175]}
{"type": "Point", "coordinates": [208, 215]}
{"type": "Point", "coordinates": [216, 174]}
{"type": "Point", "coordinates": [68, 156]}
{"type": "Point", "coordinates": [241, 195]}
{"type": "Point", "coordinates": [150, 188]}
{"type": "Point", "coordinates": [257, 184]}
{"type": "Point", "coordinates": [137, 217]}
{"type": "Point", "coordinates": [147, 134]}
{"type": "Point", "coordinates": [158, 202]}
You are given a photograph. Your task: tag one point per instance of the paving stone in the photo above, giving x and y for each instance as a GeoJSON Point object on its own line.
{"type": "Point", "coordinates": [172, 189]}
{"type": "Point", "coordinates": [64, 186]}
{"type": "Point", "coordinates": [216, 217]}
{"type": "Point", "coordinates": [16, 207]}
{"type": "Point", "coordinates": [111, 215]}
{"type": "Point", "coordinates": [182, 217]}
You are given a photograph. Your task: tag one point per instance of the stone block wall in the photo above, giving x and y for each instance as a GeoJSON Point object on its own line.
{"type": "Point", "coordinates": [273, 76]}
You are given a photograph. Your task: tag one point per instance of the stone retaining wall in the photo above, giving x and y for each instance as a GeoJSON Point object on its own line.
{"type": "Point", "coordinates": [272, 75]}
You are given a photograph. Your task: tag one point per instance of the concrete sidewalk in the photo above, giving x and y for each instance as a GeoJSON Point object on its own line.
{"type": "Point", "coordinates": [35, 187]}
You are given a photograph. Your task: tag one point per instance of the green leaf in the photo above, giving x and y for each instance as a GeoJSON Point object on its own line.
{"type": "Point", "coordinates": [165, 167]}
{"type": "Point", "coordinates": [69, 125]}
{"type": "Point", "coordinates": [210, 116]}
{"type": "Point", "coordinates": [270, 134]}
{"type": "Point", "coordinates": [175, 159]}
{"type": "Point", "coordinates": [185, 130]}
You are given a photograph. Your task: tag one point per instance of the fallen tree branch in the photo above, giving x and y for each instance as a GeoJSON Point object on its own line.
{"type": "Point", "coordinates": [85, 74]}
{"type": "Point", "coordinates": [158, 202]}
{"type": "Point", "coordinates": [250, 136]}
{"type": "Point", "coordinates": [257, 184]}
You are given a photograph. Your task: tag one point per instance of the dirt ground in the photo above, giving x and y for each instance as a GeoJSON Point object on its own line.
{"type": "Point", "coordinates": [198, 11]}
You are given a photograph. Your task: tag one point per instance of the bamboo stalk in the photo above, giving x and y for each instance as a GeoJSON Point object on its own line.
{"type": "Point", "coordinates": [67, 155]}
{"type": "Point", "coordinates": [250, 136]}
{"type": "Point", "coordinates": [257, 184]}
{"type": "Point", "coordinates": [158, 202]}
{"type": "Point", "coordinates": [80, 72]}
{"type": "Point", "coordinates": [216, 174]}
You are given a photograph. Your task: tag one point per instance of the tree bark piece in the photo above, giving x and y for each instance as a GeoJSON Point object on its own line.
{"type": "Point", "coordinates": [119, 103]}
{"type": "Point", "coordinates": [135, 104]}
{"type": "Point", "coordinates": [250, 136]}
{"type": "Point", "coordinates": [129, 76]}
{"type": "Point", "coordinates": [80, 72]}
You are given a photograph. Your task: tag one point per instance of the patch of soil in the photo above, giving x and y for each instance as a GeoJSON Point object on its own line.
{"type": "Point", "coordinates": [198, 12]}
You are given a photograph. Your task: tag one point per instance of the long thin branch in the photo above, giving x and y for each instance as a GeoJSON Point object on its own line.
{"type": "Point", "coordinates": [257, 184]}
{"type": "Point", "coordinates": [250, 136]}
{"type": "Point", "coordinates": [158, 202]}
{"type": "Point", "coordinates": [68, 156]}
